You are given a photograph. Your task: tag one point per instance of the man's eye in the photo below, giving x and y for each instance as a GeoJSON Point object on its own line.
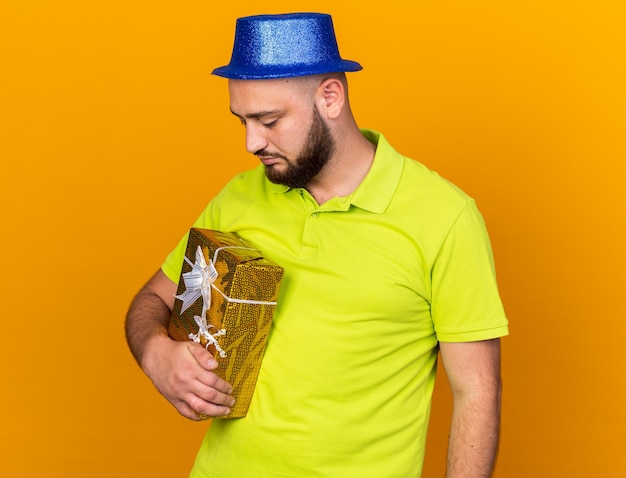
{"type": "Point", "coordinates": [270, 124]}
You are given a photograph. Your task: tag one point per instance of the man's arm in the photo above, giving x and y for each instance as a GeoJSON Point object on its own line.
{"type": "Point", "coordinates": [473, 370]}
{"type": "Point", "coordinates": [181, 371]}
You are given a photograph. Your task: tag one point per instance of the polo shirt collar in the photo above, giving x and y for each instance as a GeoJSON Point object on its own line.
{"type": "Point", "coordinates": [377, 189]}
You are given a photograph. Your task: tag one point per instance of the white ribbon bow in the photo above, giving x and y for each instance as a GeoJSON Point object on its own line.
{"type": "Point", "coordinates": [198, 283]}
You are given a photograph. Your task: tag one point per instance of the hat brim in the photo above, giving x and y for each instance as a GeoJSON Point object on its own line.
{"type": "Point", "coordinates": [285, 71]}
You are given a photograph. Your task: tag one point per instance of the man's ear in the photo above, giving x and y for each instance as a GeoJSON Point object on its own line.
{"type": "Point", "coordinates": [332, 97]}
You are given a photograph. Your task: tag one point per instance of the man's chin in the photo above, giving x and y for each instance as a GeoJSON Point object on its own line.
{"type": "Point", "coordinates": [283, 179]}
{"type": "Point", "coordinates": [273, 175]}
{"type": "Point", "coordinates": [279, 180]}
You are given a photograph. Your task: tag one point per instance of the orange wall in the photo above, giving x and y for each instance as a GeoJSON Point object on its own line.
{"type": "Point", "coordinates": [109, 116]}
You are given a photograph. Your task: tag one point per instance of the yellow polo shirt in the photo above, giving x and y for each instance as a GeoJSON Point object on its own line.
{"type": "Point", "coordinates": [372, 282]}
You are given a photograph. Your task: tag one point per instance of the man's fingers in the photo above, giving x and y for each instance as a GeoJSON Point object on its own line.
{"type": "Point", "coordinates": [214, 385]}
{"type": "Point", "coordinates": [188, 412]}
{"type": "Point", "coordinates": [209, 364]}
{"type": "Point", "coordinates": [202, 406]}
{"type": "Point", "coordinates": [197, 408]}
{"type": "Point", "coordinates": [211, 395]}
{"type": "Point", "coordinates": [203, 356]}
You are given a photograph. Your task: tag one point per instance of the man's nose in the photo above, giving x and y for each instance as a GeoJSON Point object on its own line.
{"type": "Point", "coordinates": [255, 140]}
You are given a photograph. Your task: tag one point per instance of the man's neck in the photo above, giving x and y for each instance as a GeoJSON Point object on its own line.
{"type": "Point", "coordinates": [346, 170]}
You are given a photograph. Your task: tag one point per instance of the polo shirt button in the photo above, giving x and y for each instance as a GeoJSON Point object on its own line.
{"type": "Point", "coordinates": [315, 215]}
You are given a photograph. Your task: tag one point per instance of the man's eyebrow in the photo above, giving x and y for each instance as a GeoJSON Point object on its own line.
{"type": "Point", "coordinates": [259, 114]}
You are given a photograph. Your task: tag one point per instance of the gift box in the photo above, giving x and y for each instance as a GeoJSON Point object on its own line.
{"type": "Point", "coordinates": [225, 301]}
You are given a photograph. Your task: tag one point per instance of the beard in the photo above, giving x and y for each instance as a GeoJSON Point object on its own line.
{"type": "Point", "coordinates": [316, 152]}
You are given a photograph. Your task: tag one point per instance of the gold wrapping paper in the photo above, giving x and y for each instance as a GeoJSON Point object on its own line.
{"type": "Point", "coordinates": [239, 329]}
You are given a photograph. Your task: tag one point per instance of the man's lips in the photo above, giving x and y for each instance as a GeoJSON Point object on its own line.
{"type": "Point", "coordinates": [268, 160]}
{"type": "Point", "coordinates": [269, 157]}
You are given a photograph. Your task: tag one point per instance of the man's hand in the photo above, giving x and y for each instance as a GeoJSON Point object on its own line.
{"type": "Point", "coordinates": [183, 372]}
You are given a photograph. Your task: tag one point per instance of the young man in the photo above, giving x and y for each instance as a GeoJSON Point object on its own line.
{"type": "Point", "coordinates": [386, 265]}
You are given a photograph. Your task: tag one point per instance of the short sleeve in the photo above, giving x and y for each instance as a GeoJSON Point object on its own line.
{"type": "Point", "coordinates": [466, 305]}
{"type": "Point", "coordinates": [173, 264]}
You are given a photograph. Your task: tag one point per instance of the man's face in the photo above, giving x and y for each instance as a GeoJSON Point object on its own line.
{"type": "Point", "coordinates": [316, 152]}
{"type": "Point", "coordinates": [283, 129]}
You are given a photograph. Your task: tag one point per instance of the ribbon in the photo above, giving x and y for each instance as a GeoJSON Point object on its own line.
{"type": "Point", "coordinates": [203, 331]}
{"type": "Point", "coordinates": [198, 283]}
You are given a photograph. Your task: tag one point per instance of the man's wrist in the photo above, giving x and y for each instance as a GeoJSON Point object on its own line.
{"type": "Point", "coordinates": [153, 349]}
